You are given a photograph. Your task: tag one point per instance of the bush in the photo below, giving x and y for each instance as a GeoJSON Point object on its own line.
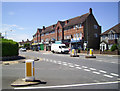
{"type": "Point", "coordinates": [27, 46]}
{"type": "Point", "coordinates": [114, 47]}
{"type": "Point", "coordinates": [9, 48]}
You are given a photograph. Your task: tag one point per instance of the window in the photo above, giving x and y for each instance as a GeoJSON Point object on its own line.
{"type": "Point", "coordinates": [96, 35]}
{"type": "Point", "coordinates": [47, 34]}
{"type": "Point", "coordinates": [95, 26]}
{"type": "Point", "coordinates": [42, 35]}
{"type": "Point", "coordinates": [80, 34]}
{"type": "Point", "coordinates": [74, 35]}
{"type": "Point", "coordinates": [52, 32]}
{"type": "Point", "coordinates": [74, 26]}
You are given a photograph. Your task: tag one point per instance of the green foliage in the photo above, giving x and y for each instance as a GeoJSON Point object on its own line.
{"type": "Point", "coordinates": [9, 47]}
{"type": "Point", "coordinates": [114, 47]}
{"type": "Point", "coordinates": [27, 45]}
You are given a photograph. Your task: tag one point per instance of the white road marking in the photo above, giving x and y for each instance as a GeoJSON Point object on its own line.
{"type": "Point", "coordinates": [86, 70]}
{"type": "Point", "coordinates": [72, 85]}
{"type": "Point", "coordinates": [118, 78]}
{"type": "Point", "coordinates": [59, 63]}
{"type": "Point", "coordinates": [100, 60]}
{"type": "Point", "coordinates": [102, 71]}
{"type": "Point", "coordinates": [78, 68]}
{"type": "Point", "coordinates": [114, 74]}
{"type": "Point", "coordinates": [71, 66]}
{"type": "Point", "coordinates": [64, 64]}
{"type": "Point", "coordinates": [46, 59]}
{"type": "Point", "coordinates": [54, 61]}
{"type": "Point", "coordinates": [50, 60]}
{"type": "Point", "coordinates": [92, 68]}
{"type": "Point", "coordinates": [70, 63]}
{"type": "Point", "coordinates": [77, 65]}
{"type": "Point", "coordinates": [96, 72]}
{"type": "Point", "coordinates": [84, 67]}
{"type": "Point", "coordinates": [108, 76]}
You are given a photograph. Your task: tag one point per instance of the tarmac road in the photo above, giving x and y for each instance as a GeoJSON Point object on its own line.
{"type": "Point", "coordinates": [64, 72]}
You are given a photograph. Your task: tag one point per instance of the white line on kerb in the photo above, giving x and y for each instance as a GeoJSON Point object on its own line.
{"type": "Point", "coordinates": [102, 71]}
{"type": "Point", "coordinates": [108, 76]}
{"type": "Point", "coordinates": [114, 74]}
{"type": "Point", "coordinates": [96, 72]}
{"type": "Point", "coordinates": [72, 85]}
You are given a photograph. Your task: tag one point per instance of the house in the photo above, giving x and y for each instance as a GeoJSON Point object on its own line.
{"type": "Point", "coordinates": [23, 42]}
{"type": "Point", "coordinates": [110, 37]}
{"type": "Point", "coordinates": [81, 32]}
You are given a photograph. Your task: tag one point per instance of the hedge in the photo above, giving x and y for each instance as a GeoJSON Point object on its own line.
{"type": "Point", "coordinates": [9, 48]}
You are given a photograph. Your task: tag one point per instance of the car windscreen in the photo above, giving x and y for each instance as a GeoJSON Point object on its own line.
{"type": "Point", "coordinates": [63, 46]}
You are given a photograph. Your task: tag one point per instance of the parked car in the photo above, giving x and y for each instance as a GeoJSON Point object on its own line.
{"type": "Point", "coordinates": [23, 49]}
{"type": "Point", "coordinates": [59, 48]}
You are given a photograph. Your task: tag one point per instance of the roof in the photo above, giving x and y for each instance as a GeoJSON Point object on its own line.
{"type": "Point", "coordinates": [76, 20]}
{"type": "Point", "coordinates": [73, 21]}
{"type": "Point", "coordinates": [49, 29]}
{"type": "Point", "coordinates": [104, 42]}
{"type": "Point", "coordinates": [115, 28]}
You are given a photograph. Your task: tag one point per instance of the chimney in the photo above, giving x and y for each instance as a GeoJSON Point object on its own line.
{"type": "Point", "coordinates": [22, 40]}
{"type": "Point", "coordinates": [90, 10]}
{"type": "Point", "coordinates": [66, 22]}
{"type": "Point", "coordinates": [27, 39]}
{"type": "Point", "coordinates": [43, 27]}
{"type": "Point", "coordinates": [53, 26]}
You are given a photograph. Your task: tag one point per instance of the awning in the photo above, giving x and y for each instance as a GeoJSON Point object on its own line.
{"type": "Point", "coordinates": [74, 41]}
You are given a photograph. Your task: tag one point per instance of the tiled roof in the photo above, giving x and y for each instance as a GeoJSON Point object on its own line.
{"type": "Point", "coordinates": [115, 28]}
{"type": "Point", "coordinates": [76, 20]}
{"type": "Point", "coordinates": [48, 29]}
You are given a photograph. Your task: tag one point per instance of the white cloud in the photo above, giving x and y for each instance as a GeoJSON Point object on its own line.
{"type": "Point", "coordinates": [13, 27]}
{"type": "Point", "coordinates": [19, 37]}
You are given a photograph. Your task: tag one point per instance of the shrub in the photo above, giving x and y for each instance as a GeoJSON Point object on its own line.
{"type": "Point", "coordinates": [114, 47]}
{"type": "Point", "coordinates": [9, 48]}
{"type": "Point", "coordinates": [27, 46]}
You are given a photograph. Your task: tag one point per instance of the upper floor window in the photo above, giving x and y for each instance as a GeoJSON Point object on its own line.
{"type": "Point", "coordinates": [95, 27]}
{"type": "Point", "coordinates": [96, 35]}
{"type": "Point", "coordinates": [74, 35]}
{"type": "Point", "coordinates": [42, 35]}
{"type": "Point", "coordinates": [52, 32]}
{"type": "Point", "coordinates": [80, 34]}
{"type": "Point", "coordinates": [47, 34]}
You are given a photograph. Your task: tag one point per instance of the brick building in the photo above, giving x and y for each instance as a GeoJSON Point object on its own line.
{"type": "Point", "coordinates": [77, 31]}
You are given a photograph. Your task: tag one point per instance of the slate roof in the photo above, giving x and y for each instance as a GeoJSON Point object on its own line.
{"type": "Point", "coordinates": [71, 22]}
{"type": "Point", "coordinates": [77, 20]}
{"type": "Point", "coordinates": [115, 28]}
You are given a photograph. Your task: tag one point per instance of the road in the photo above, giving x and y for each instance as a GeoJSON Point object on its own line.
{"type": "Point", "coordinates": [64, 72]}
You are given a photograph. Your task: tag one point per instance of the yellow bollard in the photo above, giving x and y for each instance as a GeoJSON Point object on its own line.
{"type": "Point", "coordinates": [29, 70]}
{"type": "Point", "coordinates": [72, 51]}
{"type": "Point", "coordinates": [91, 52]}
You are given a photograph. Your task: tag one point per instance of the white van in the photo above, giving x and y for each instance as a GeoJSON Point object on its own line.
{"type": "Point", "coordinates": [59, 48]}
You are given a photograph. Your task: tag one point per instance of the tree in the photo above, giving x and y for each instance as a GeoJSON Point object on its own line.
{"type": "Point", "coordinates": [27, 46]}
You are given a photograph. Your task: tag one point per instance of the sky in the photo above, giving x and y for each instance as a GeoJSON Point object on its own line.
{"type": "Point", "coordinates": [20, 20]}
